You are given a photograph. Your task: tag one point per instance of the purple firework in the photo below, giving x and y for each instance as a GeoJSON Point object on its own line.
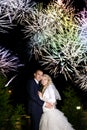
{"type": "Point", "coordinates": [8, 62]}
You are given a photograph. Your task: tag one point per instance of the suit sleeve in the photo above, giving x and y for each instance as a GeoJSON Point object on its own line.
{"type": "Point", "coordinates": [33, 93]}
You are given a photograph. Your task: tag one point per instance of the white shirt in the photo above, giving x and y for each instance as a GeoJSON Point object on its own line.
{"type": "Point", "coordinates": [36, 81]}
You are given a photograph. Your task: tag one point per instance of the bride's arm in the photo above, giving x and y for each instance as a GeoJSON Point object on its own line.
{"type": "Point", "coordinates": [47, 104]}
{"type": "Point", "coordinates": [51, 96]}
{"type": "Point", "coordinates": [42, 97]}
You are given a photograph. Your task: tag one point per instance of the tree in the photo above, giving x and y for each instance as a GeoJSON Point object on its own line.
{"type": "Point", "coordinates": [72, 107]}
{"type": "Point", "coordinates": [4, 107]}
{"type": "Point", "coordinates": [9, 115]}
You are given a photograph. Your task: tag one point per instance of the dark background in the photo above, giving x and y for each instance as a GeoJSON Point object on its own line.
{"type": "Point", "coordinates": [14, 40]}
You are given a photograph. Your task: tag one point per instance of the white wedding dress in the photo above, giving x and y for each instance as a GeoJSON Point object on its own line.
{"type": "Point", "coordinates": [53, 119]}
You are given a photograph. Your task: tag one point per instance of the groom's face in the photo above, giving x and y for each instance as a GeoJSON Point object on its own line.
{"type": "Point", "coordinates": [38, 75]}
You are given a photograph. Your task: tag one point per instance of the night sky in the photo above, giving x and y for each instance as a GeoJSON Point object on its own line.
{"type": "Point", "coordinates": [14, 40]}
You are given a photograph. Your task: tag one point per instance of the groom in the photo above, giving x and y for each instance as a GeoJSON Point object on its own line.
{"type": "Point", "coordinates": [35, 104]}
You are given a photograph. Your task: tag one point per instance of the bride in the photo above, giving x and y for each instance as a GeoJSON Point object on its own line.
{"type": "Point", "coordinates": [52, 118]}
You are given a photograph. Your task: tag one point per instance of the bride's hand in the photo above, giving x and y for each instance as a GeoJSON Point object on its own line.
{"type": "Point", "coordinates": [49, 105]}
{"type": "Point", "coordinates": [40, 94]}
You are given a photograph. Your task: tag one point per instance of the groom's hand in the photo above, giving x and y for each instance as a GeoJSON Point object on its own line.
{"type": "Point", "coordinates": [48, 105]}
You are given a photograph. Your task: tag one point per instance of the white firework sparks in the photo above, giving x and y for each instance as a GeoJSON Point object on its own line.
{"type": "Point", "coordinates": [13, 10]}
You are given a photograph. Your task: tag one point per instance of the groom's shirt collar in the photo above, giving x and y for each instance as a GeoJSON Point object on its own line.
{"type": "Point", "coordinates": [36, 81]}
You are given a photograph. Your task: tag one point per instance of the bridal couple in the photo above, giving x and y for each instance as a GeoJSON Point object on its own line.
{"type": "Point", "coordinates": [42, 105]}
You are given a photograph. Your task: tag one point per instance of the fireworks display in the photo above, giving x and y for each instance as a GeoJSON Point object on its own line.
{"type": "Point", "coordinates": [55, 33]}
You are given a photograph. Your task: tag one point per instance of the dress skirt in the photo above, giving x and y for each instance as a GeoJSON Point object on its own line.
{"type": "Point", "coordinates": [54, 119]}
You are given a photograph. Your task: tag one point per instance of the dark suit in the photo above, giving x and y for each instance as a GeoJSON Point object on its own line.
{"type": "Point", "coordinates": [35, 104]}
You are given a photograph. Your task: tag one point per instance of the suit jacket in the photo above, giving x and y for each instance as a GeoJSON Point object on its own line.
{"type": "Point", "coordinates": [35, 104]}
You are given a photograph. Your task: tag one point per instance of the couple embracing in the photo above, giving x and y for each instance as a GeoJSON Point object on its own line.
{"type": "Point", "coordinates": [42, 105]}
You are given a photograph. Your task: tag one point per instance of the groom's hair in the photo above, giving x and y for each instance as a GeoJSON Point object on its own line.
{"type": "Point", "coordinates": [38, 70]}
